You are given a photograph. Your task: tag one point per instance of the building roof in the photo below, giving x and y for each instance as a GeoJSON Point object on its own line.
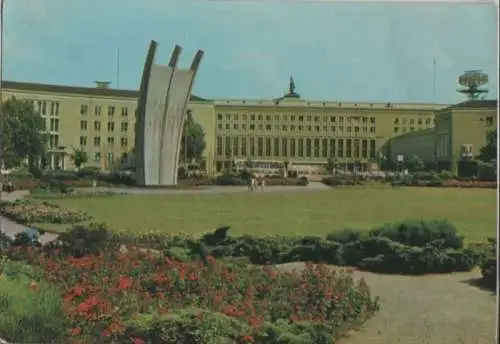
{"type": "Point", "coordinates": [475, 104]}
{"type": "Point", "coordinates": [91, 91]}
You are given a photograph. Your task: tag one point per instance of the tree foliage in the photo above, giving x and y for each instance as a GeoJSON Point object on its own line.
{"type": "Point", "coordinates": [79, 157]}
{"type": "Point", "coordinates": [193, 139]}
{"type": "Point", "coordinates": [489, 151]}
{"type": "Point", "coordinates": [22, 133]}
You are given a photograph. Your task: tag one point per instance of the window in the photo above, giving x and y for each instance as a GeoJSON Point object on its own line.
{"type": "Point", "coordinates": [332, 119]}
{"type": "Point", "coordinates": [219, 126]}
{"type": "Point", "coordinates": [284, 146]}
{"type": "Point", "coordinates": [348, 148]}
{"type": "Point", "coordinates": [301, 118]}
{"type": "Point", "coordinates": [316, 148]}
{"type": "Point", "coordinates": [55, 140]}
{"type": "Point", "coordinates": [124, 111]}
{"type": "Point", "coordinates": [324, 148]}
{"type": "Point", "coordinates": [124, 127]}
{"type": "Point", "coordinates": [43, 107]}
{"type": "Point", "coordinates": [235, 126]}
{"type": "Point", "coordinates": [372, 129]}
{"type": "Point", "coordinates": [341, 148]}
{"type": "Point", "coordinates": [228, 126]}
{"type": "Point", "coordinates": [268, 147]}
{"type": "Point", "coordinates": [236, 145]}
{"type": "Point", "coordinates": [244, 145]}
{"type": "Point", "coordinates": [308, 148]}
{"type": "Point", "coordinates": [364, 149]}
{"type": "Point", "coordinates": [111, 126]}
{"type": "Point", "coordinates": [227, 146]}
{"type": "Point", "coordinates": [83, 140]}
{"type": "Point", "coordinates": [111, 111]}
{"type": "Point", "coordinates": [292, 148]}
{"type": "Point", "coordinates": [54, 108]}
{"type": "Point", "coordinates": [97, 157]}
{"type": "Point", "coordinates": [316, 118]}
{"type": "Point", "coordinates": [84, 109]}
{"type": "Point", "coordinates": [228, 117]}
{"type": "Point", "coordinates": [260, 146]}
{"type": "Point", "coordinates": [396, 120]}
{"type": "Point", "coordinates": [372, 120]}
{"type": "Point", "coordinates": [372, 149]}
{"type": "Point", "coordinates": [218, 146]}
{"type": "Point", "coordinates": [83, 125]}
{"type": "Point", "coordinates": [110, 157]}
{"type": "Point", "coordinates": [356, 149]}
{"type": "Point", "coordinates": [252, 147]}
{"type": "Point", "coordinates": [301, 147]}
{"type": "Point", "coordinates": [252, 117]}
{"type": "Point", "coordinates": [396, 130]}
{"type": "Point", "coordinates": [332, 148]}
{"type": "Point", "coordinates": [268, 127]}
{"type": "Point", "coordinates": [260, 117]}
{"type": "Point", "coordinates": [124, 142]}
{"type": "Point", "coordinates": [276, 147]}
{"type": "Point", "coordinates": [489, 121]}
{"type": "Point", "coordinates": [111, 141]}
{"type": "Point", "coordinates": [97, 126]}
{"type": "Point", "coordinates": [97, 141]}
{"type": "Point", "coordinates": [268, 118]}
{"type": "Point", "coordinates": [97, 110]}
{"type": "Point", "coordinates": [244, 117]}
{"type": "Point", "coordinates": [219, 117]}
{"type": "Point", "coordinates": [54, 124]}
{"type": "Point", "coordinates": [236, 117]}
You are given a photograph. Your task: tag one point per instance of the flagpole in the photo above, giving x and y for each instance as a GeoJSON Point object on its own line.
{"type": "Point", "coordinates": [434, 79]}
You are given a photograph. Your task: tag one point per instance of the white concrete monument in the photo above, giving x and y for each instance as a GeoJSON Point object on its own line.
{"type": "Point", "coordinates": [163, 98]}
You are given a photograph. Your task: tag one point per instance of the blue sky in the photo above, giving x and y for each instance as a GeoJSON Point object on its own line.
{"type": "Point", "coordinates": [335, 51]}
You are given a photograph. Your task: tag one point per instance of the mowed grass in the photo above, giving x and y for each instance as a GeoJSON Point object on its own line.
{"type": "Point", "coordinates": [472, 211]}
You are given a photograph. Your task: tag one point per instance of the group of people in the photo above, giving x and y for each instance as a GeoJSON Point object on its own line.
{"type": "Point", "coordinates": [256, 183]}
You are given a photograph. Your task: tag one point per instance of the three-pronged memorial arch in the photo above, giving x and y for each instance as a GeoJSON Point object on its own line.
{"type": "Point", "coordinates": [161, 112]}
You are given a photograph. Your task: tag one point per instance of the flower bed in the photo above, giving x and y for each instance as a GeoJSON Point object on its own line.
{"type": "Point", "coordinates": [26, 211]}
{"type": "Point", "coordinates": [43, 193]}
{"type": "Point", "coordinates": [140, 297]}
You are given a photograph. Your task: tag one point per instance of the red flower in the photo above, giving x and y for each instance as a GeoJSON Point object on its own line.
{"type": "Point", "coordinates": [138, 341]}
{"type": "Point", "coordinates": [75, 331]}
{"type": "Point", "coordinates": [125, 283]}
{"type": "Point", "coordinates": [33, 285]}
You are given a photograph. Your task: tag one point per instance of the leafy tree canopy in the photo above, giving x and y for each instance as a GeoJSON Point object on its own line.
{"type": "Point", "coordinates": [22, 133]}
{"type": "Point", "coordinates": [193, 140]}
{"type": "Point", "coordinates": [489, 151]}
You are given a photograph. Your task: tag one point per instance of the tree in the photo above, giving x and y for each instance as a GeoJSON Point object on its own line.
{"type": "Point", "coordinates": [193, 140]}
{"type": "Point", "coordinates": [330, 165]}
{"type": "Point", "coordinates": [22, 134]}
{"type": "Point", "coordinates": [415, 164]}
{"type": "Point", "coordinates": [489, 151]}
{"type": "Point", "coordinates": [79, 157]}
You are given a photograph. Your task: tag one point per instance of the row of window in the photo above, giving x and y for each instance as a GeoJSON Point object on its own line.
{"type": "Point", "coordinates": [98, 157]}
{"type": "Point", "coordinates": [294, 128]}
{"type": "Point", "coordinates": [300, 118]}
{"type": "Point", "coordinates": [290, 147]}
{"type": "Point", "coordinates": [110, 141]}
{"type": "Point", "coordinates": [53, 108]}
{"type": "Point", "coordinates": [84, 110]}
{"type": "Point", "coordinates": [402, 130]}
{"type": "Point", "coordinates": [412, 121]}
{"type": "Point", "coordinates": [111, 126]}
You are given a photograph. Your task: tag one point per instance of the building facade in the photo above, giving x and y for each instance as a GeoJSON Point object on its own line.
{"type": "Point", "coordinates": [269, 133]}
{"type": "Point", "coordinates": [460, 132]}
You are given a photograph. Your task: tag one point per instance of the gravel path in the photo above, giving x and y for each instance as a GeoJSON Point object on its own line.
{"type": "Point", "coordinates": [433, 309]}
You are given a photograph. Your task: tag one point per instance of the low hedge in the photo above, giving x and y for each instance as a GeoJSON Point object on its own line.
{"type": "Point", "coordinates": [228, 179]}
{"type": "Point", "coordinates": [408, 247]}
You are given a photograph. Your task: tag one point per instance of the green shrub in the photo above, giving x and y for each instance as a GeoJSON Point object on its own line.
{"type": "Point", "coordinates": [63, 175]}
{"type": "Point", "coordinates": [420, 233]}
{"type": "Point", "coordinates": [30, 309]}
{"type": "Point", "coordinates": [342, 180]}
{"type": "Point", "coordinates": [489, 266]}
{"type": "Point", "coordinates": [344, 236]}
{"type": "Point", "coordinates": [80, 241]}
{"type": "Point", "coordinates": [229, 179]}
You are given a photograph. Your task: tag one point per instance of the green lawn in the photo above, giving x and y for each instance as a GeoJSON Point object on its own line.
{"type": "Point", "coordinates": [472, 211]}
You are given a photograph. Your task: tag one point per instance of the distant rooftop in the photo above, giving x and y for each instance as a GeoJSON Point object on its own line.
{"type": "Point", "coordinates": [93, 91]}
{"type": "Point", "coordinates": [476, 104]}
